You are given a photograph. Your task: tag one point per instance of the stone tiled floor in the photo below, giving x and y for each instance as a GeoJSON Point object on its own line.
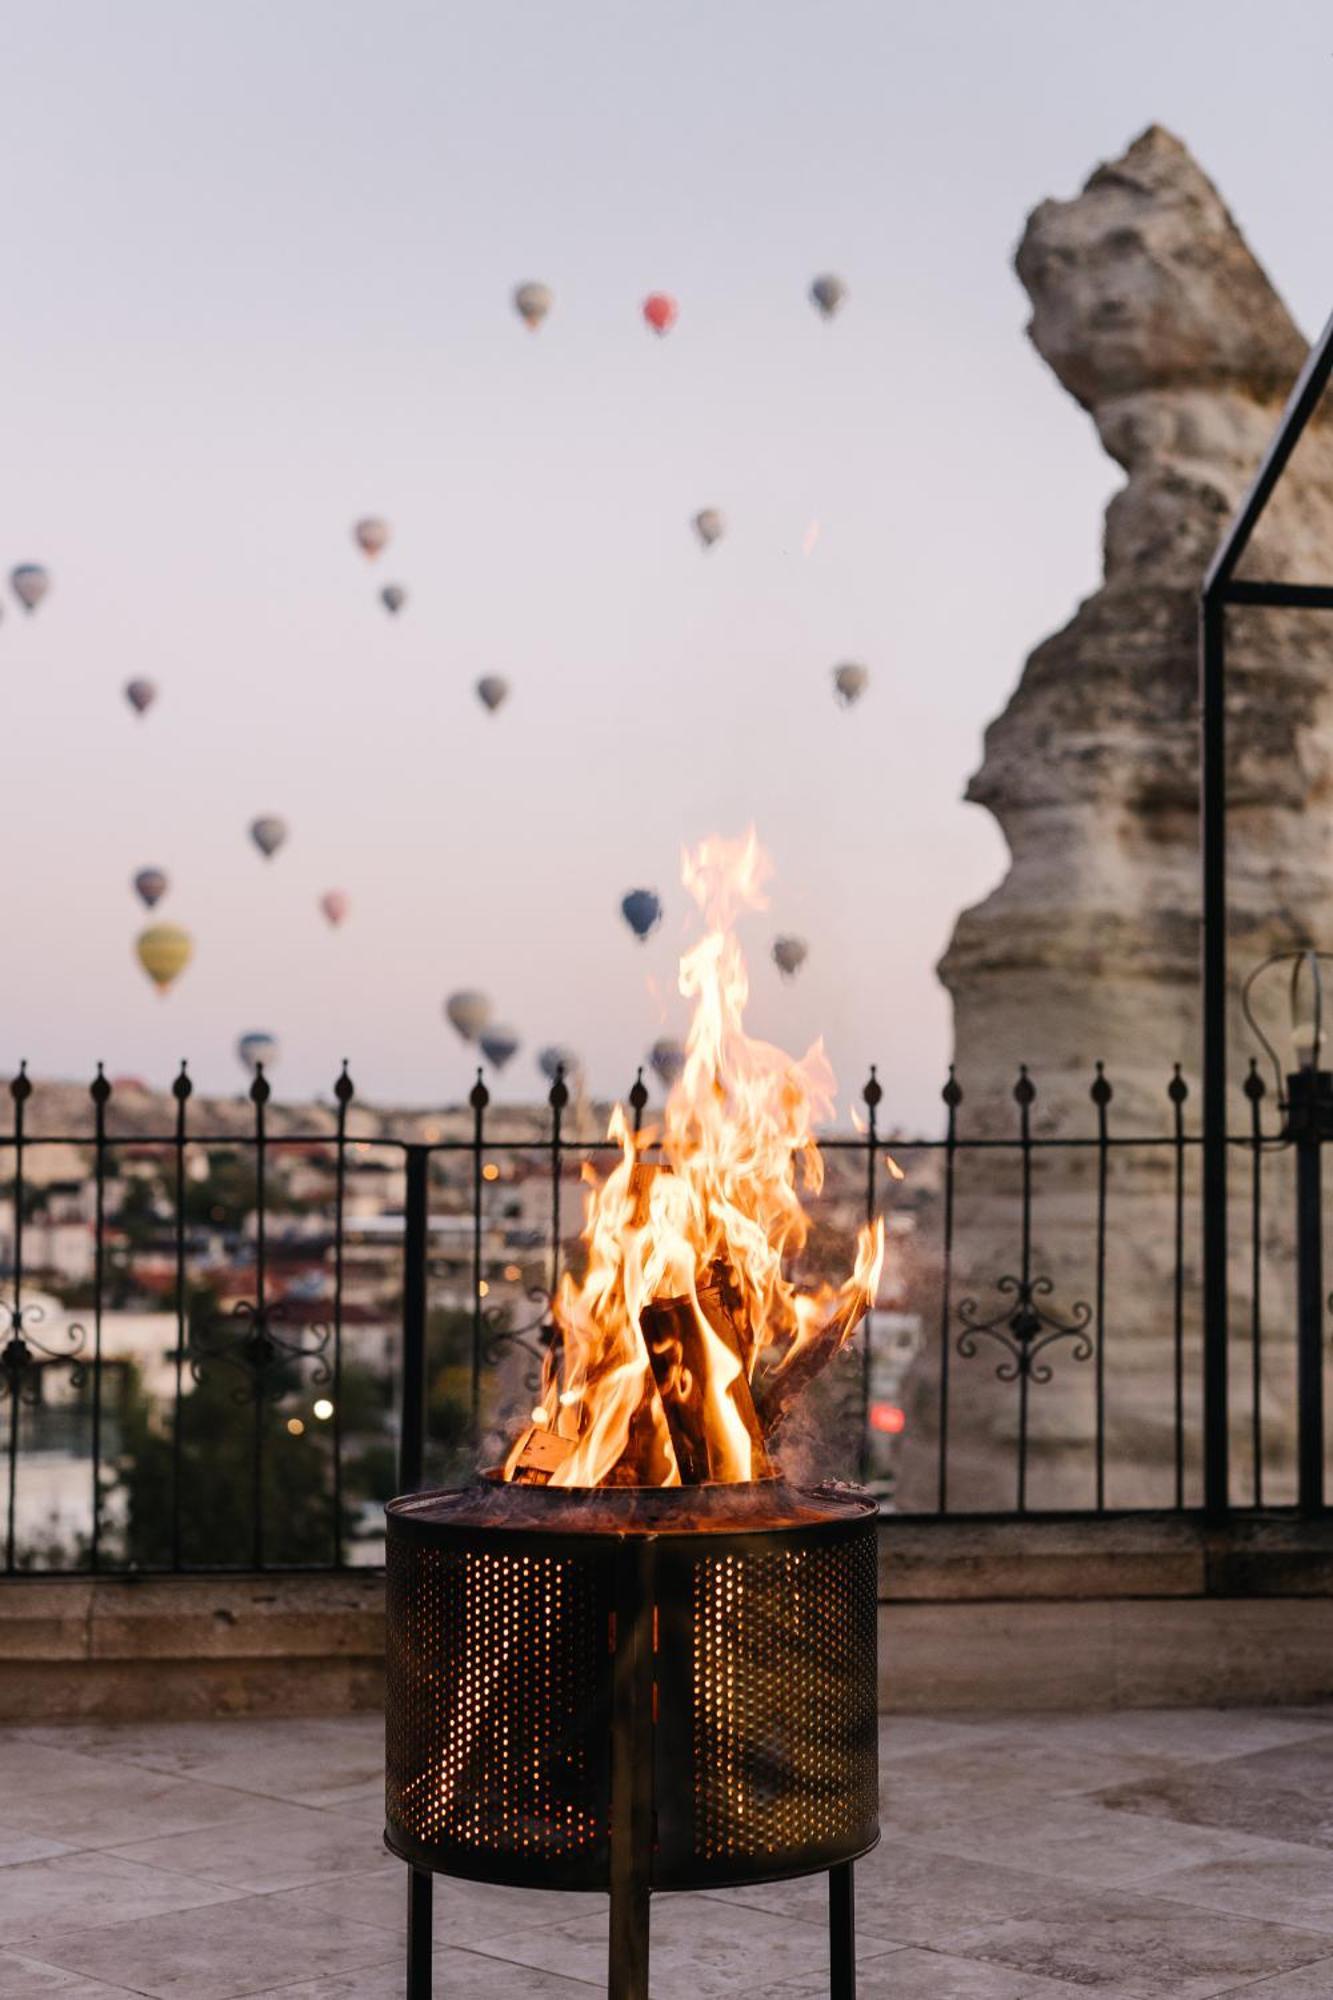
{"type": "Point", "coordinates": [1151, 1856]}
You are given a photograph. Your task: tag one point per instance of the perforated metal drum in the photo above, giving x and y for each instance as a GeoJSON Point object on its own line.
{"type": "Point", "coordinates": [687, 1674]}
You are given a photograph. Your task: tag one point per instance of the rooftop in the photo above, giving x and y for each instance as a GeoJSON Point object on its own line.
{"type": "Point", "coordinates": [1179, 1853]}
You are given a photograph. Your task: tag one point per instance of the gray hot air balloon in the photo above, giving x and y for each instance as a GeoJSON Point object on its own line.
{"type": "Point", "coordinates": [498, 1045]}
{"type": "Point", "coordinates": [371, 535]}
{"type": "Point", "coordinates": [151, 886]}
{"type": "Point", "coordinates": [532, 302]}
{"type": "Point", "coordinates": [141, 695]}
{"type": "Point", "coordinates": [828, 293]}
{"type": "Point", "coordinates": [789, 955]}
{"type": "Point", "coordinates": [667, 1057]}
{"type": "Point", "coordinates": [393, 597]}
{"type": "Point", "coordinates": [467, 1012]}
{"type": "Point", "coordinates": [642, 911]}
{"type": "Point", "coordinates": [268, 833]}
{"type": "Point", "coordinates": [29, 583]}
{"type": "Point", "coordinates": [551, 1061]}
{"type": "Point", "coordinates": [850, 683]}
{"type": "Point", "coordinates": [709, 526]}
{"type": "Point", "coordinates": [258, 1047]}
{"type": "Point", "coordinates": [493, 690]}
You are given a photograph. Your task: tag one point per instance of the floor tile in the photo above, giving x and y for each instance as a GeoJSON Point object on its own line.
{"type": "Point", "coordinates": [29, 1979]}
{"type": "Point", "coordinates": [463, 1911]}
{"type": "Point", "coordinates": [459, 1975]}
{"type": "Point", "coordinates": [929, 1975]}
{"type": "Point", "coordinates": [1184, 1735]}
{"type": "Point", "coordinates": [16, 1847]}
{"type": "Point", "coordinates": [282, 1848]}
{"type": "Point", "coordinates": [242, 1947]}
{"type": "Point", "coordinates": [84, 1801]}
{"type": "Point", "coordinates": [1120, 1943]}
{"type": "Point", "coordinates": [290, 1759]}
{"type": "Point", "coordinates": [701, 1950]}
{"type": "Point", "coordinates": [39, 1898]}
{"type": "Point", "coordinates": [1284, 1884]}
{"type": "Point", "coordinates": [1310, 1982]}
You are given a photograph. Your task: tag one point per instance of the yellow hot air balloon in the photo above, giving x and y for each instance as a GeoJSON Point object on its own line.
{"type": "Point", "coordinates": [164, 951]}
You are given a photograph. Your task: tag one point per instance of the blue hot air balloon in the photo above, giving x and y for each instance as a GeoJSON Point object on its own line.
{"type": "Point", "coordinates": [642, 911]}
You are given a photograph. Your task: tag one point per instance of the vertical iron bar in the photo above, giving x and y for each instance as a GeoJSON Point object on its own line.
{"type": "Point", "coordinates": [420, 1888]}
{"type": "Point", "coordinates": [20, 1090]}
{"type": "Point", "coordinates": [632, 1758]}
{"type": "Point", "coordinates": [1213, 841]}
{"type": "Point", "coordinates": [559, 1098]}
{"type": "Point", "coordinates": [479, 1099]}
{"type": "Point", "coordinates": [101, 1091]}
{"type": "Point", "coordinates": [180, 1090]}
{"type": "Point", "coordinates": [1101, 1097]}
{"type": "Point", "coordinates": [638, 1099]}
{"type": "Point", "coordinates": [416, 1226]}
{"type": "Point", "coordinates": [871, 1096]}
{"type": "Point", "coordinates": [953, 1097]}
{"type": "Point", "coordinates": [1255, 1091]}
{"type": "Point", "coordinates": [343, 1091]}
{"type": "Point", "coordinates": [842, 1932]}
{"type": "Point", "coordinates": [1024, 1094]}
{"type": "Point", "coordinates": [259, 1098]}
{"type": "Point", "coordinates": [1303, 1096]}
{"type": "Point", "coordinates": [1178, 1091]}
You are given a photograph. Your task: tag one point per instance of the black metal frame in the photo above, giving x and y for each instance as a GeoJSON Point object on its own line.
{"type": "Point", "coordinates": [1221, 590]}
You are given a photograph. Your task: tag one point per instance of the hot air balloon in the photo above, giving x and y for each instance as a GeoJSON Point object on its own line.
{"type": "Point", "coordinates": [268, 833]}
{"type": "Point", "coordinates": [164, 952]}
{"type": "Point", "coordinates": [335, 903]}
{"type": "Point", "coordinates": [371, 535]}
{"type": "Point", "coordinates": [667, 1057]}
{"type": "Point", "coordinates": [850, 683]}
{"type": "Point", "coordinates": [141, 695]}
{"type": "Point", "coordinates": [532, 302]}
{"type": "Point", "coordinates": [709, 526]}
{"type": "Point", "coordinates": [660, 310]}
{"type": "Point", "coordinates": [498, 1045]}
{"type": "Point", "coordinates": [493, 689]}
{"type": "Point", "coordinates": [468, 1012]}
{"type": "Point", "coordinates": [789, 955]}
{"type": "Point", "coordinates": [642, 911]}
{"type": "Point", "coordinates": [828, 293]}
{"type": "Point", "coordinates": [551, 1061]}
{"type": "Point", "coordinates": [393, 597]}
{"type": "Point", "coordinates": [151, 885]}
{"type": "Point", "coordinates": [29, 583]}
{"type": "Point", "coordinates": [258, 1047]}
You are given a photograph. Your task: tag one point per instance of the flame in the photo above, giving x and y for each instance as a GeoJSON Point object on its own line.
{"type": "Point", "coordinates": [684, 1343]}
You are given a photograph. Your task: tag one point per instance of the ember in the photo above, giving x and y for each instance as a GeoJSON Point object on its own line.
{"type": "Point", "coordinates": [684, 1345]}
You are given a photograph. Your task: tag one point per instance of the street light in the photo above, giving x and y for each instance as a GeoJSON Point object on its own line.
{"type": "Point", "coordinates": [1305, 1099]}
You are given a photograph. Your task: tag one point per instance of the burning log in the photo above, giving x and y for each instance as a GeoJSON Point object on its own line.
{"type": "Point", "coordinates": [677, 1349]}
{"type": "Point", "coordinates": [805, 1359]}
{"type": "Point", "coordinates": [537, 1456]}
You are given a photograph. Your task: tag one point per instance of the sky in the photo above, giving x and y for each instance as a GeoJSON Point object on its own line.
{"type": "Point", "coordinates": [258, 267]}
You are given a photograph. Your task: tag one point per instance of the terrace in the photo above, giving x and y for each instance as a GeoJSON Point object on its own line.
{"type": "Point", "coordinates": [1149, 1855]}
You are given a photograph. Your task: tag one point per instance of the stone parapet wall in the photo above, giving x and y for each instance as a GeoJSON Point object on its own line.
{"type": "Point", "coordinates": [1044, 1614]}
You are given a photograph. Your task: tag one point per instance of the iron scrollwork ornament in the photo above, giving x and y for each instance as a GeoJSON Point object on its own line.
{"type": "Point", "coordinates": [251, 1339]}
{"type": "Point", "coordinates": [24, 1356]}
{"type": "Point", "coordinates": [1025, 1330]}
{"type": "Point", "coordinates": [535, 1336]}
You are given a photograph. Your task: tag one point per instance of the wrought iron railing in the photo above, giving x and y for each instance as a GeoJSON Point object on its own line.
{"type": "Point", "coordinates": [249, 1346]}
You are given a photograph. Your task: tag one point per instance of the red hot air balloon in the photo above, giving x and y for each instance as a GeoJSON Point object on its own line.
{"type": "Point", "coordinates": [335, 903]}
{"type": "Point", "coordinates": [661, 311]}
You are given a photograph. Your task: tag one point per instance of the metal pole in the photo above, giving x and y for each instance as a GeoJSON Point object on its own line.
{"type": "Point", "coordinates": [1212, 813]}
{"type": "Point", "coordinates": [419, 1926]}
{"type": "Point", "coordinates": [841, 1932]}
{"type": "Point", "coordinates": [631, 1771]}
{"type": "Point", "coordinates": [412, 1437]}
{"type": "Point", "coordinates": [1303, 1095]}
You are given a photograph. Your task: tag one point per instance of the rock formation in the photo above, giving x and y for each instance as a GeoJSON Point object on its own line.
{"type": "Point", "coordinates": [1152, 312]}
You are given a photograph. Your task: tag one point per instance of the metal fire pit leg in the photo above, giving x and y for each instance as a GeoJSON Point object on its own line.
{"type": "Point", "coordinates": [419, 1891]}
{"type": "Point", "coordinates": [631, 1772]}
{"type": "Point", "coordinates": [841, 1933]}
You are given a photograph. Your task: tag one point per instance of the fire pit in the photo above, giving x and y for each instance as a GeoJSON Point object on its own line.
{"type": "Point", "coordinates": [635, 1657]}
